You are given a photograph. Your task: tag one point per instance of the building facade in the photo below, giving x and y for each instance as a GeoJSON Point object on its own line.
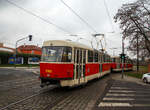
{"type": "Point", "coordinates": [26, 54]}
{"type": "Point", "coordinates": [29, 49]}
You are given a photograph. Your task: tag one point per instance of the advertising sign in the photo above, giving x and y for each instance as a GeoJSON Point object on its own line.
{"type": "Point", "coordinates": [33, 60]}
{"type": "Point", "coordinates": [11, 60]}
{"type": "Point", "coordinates": [19, 60]}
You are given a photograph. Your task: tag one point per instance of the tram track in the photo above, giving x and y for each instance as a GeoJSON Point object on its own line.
{"type": "Point", "coordinates": [7, 88]}
{"type": "Point", "coordinates": [10, 96]}
{"type": "Point", "coordinates": [15, 85]}
{"type": "Point", "coordinates": [58, 98]}
{"type": "Point", "coordinates": [43, 101]}
{"type": "Point", "coordinates": [12, 93]}
{"type": "Point", "coordinates": [31, 96]}
{"type": "Point", "coordinates": [20, 80]}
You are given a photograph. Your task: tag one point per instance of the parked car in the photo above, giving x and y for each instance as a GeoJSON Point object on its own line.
{"type": "Point", "coordinates": [146, 78]}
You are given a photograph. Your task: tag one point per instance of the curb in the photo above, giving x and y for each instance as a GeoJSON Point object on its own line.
{"type": "Point", "coordinates": [36, 73]}
{"type": "Point", "coordinates": [19, 67]}
{"type": "Point", "coordinates": [131, 79]}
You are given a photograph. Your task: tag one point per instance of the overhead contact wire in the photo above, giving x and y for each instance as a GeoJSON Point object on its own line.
{"type": "Point", "coordinates": [37, 16]}
{"type": "Point", "coordinates": [108, 14]}
{"type": "Point", "coordinates": [79, 16]}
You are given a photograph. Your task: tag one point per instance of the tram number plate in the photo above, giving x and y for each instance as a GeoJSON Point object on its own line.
{"type": "Point", "coordinates": [48, 71]}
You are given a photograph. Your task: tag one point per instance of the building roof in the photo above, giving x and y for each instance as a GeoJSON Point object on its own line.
{"type": "Point", "coordinates": [29, 47]}
{"type": "Point", "coordinates": [6, 49]}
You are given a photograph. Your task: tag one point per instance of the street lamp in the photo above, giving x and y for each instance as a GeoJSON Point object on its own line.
{"type": "Point", "coordinates": [30, 39]}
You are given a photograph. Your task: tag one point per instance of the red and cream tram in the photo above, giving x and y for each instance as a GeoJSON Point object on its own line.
{"type": "Point", "coordinates": [68, 63]}
{"type": "Point", "coordinates": [116, 64]}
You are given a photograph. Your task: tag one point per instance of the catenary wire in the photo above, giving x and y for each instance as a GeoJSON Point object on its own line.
{"type": "Point", "coordinates": [79, 16]}
{"type": "Point", "coordinates": [108, 14]}
{"type": "Point", "coordinates": [37, 16]}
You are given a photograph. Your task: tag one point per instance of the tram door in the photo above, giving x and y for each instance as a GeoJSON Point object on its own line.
{"type": "Point", "coordinates": [79, 69]}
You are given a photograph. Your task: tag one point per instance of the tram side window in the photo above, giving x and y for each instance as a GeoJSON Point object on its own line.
{"type": "Point", "coordinates": [104, 58]}
{"type": "Point", "coordinates": [84, 56]}
{"type": "Point", "coordinates": [67, 55]}
{"type": "Point", "coordinates": [101, 58]}
{"type": "Point", "coordinates": [113, 60]}
{"type": "Point", "coordinates": [95, 57]}
{"type": "Point", "coordinates": [108, 58]}
{"type": "Point", "coordinates": [90, 56]}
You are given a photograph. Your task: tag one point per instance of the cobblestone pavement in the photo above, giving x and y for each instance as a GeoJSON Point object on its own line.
{"type": "Point", "coordinates": [7, 75]}
{"type": "Point", "coordinates": [25, 94]}
{"type": "Point", "coordinates": [16, 85]}
{"type": "Point", "coordinates": [20, 90]}
{"type": "Point", "coordinates": [124, 95]}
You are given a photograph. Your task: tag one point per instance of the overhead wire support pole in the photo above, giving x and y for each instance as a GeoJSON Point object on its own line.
{"type": "Point", "coordinates": [37, 16]}
{"type": "Point", "coordinates": [122, 75]}
{"type": "Point", "coordinates": [79, 16]}
{"type": "Point", "coordinates": [137, 68]}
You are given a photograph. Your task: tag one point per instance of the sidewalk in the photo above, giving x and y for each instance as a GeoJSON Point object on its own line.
{"type": "Point", "coordinates": [129, 78]}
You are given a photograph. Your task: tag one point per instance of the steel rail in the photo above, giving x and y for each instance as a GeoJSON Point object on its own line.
{"type": "Point", "coordinates": [14, 103]}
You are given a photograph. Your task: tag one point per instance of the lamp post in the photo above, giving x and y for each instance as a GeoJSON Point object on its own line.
{"type": "Point", "coordinates": [30, 39]}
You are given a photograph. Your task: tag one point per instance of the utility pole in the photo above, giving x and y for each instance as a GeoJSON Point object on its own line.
{"type": "Point", "coordinates": [137, 62]}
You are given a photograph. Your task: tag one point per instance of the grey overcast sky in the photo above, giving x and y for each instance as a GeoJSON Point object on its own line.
{"type": "Point", "coordinates": [16, 23]}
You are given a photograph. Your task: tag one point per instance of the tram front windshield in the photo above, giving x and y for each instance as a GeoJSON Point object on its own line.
{"type": "Point", "coordinates": [56, 54]}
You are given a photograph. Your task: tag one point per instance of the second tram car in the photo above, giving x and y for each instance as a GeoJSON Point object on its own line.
{"type": "Point", "coordinates": [68, 63]}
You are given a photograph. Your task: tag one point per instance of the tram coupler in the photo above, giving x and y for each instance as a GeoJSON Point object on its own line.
{"type": "Point", "coordinates": [44, 84]}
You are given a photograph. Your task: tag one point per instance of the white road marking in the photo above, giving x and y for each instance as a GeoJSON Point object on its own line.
{"type": "Point", "coordinates": [119, 87]}
{"type": "Point", "coordinates": [127, 91]}
{"type": "Point", "coordinates": [109, 94]}
{"type": "Point", "coordinates": [108, 104]}
{"type": "Point", "coordinates": [118, 99]}
{"type": "Point", "coordinates": [141, 105]}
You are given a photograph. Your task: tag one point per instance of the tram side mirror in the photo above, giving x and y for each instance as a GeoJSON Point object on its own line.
{"type": "Point", "coordinates": [69, 57]}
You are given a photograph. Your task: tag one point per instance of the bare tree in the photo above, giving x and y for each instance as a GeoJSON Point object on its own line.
{"type": "Point", "coordinates": [134, 19]}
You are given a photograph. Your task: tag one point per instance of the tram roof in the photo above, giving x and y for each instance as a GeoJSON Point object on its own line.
{"type": "Point", "coordinates": [115, 57]}
{"type": "Point", "coordinates": [65, 43]}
